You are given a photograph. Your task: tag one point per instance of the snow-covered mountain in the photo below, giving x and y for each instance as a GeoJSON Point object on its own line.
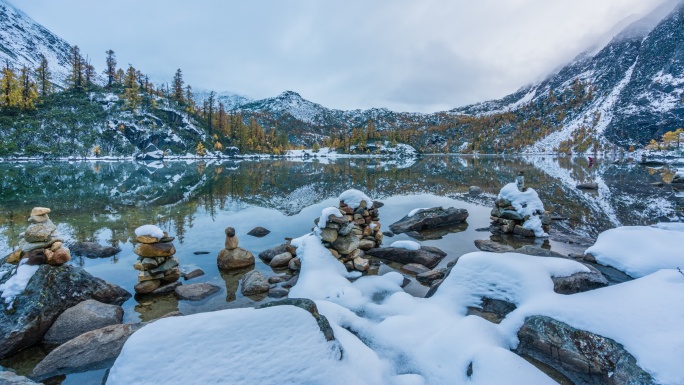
{"type": "Point", "coordinates": [230, 100]}
{"type": "Point", "coordinates": [636, 81]}
{"type": "Point", "coordinates": [22, 41]}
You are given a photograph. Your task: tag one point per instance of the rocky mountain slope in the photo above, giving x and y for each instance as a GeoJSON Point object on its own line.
{"type": "Point", "coordinates": [625, 93]}
{"type": "Point", "coordinates": [23, 41]}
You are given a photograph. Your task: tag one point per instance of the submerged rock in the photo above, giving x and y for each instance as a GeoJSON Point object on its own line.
{"type": "Point", "coordinates": [93, 250]}
{"type": "Point", "coordinates": [426, 255]}
{"type": "Point", "coordinates": [582, 356]}
{"type": "Point", "coordinates": [268, 254]}
{"type": "Point", "coordinates": [429, 219]}
{"type": "Point", "coordinates": [491, 246]}
{"type": "Point", "coordinates": [84, 317]}
{"type": "Point", "coordinates": [254, 283]}
{"type": "Point", "coordinates": [10, 378]}
{"type": "Point", "coordinates": [96, 349]}
{"type": "Point", "coordinates": [196, 291]}
{"type": "Point", "coordinates": [48, 294]}
{"type": "Point", "coordinates": [259, 232]}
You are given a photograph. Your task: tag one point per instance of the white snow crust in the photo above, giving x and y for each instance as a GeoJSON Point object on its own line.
{"type": "Point", "coordinates": [641, 250]}
{"type": "Point", "coordinates": [151, 230]}
{"type": "Point", "coordinates": [353, 198]}
{"type": "Point", "coordinates": [408, 245]}
{"type": "Point", "coordinates": [17, 283]}
{"type": "Point", "coordinates": [525, 203]}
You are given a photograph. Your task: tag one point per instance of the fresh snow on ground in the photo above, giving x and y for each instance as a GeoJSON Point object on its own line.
{"type": "Point", "coordinates": [408, 245]}
{"type": "Point", "coordinates": [17, 283]}
{"type": "Point", "coordinates": [353, 198]}
{"type": "Point", "coordinates": [526, 203]}
{"type": "Point", "coordinates": [151, 230]}
{"type": "Point", "coordinates": [641, 250]}
{"type": "Point", "coordinates": [386, 336]}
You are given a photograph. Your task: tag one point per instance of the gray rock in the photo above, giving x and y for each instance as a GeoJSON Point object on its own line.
{"type": "Point", "coordinates": [414, 268]}
{"type": "Point", "coordinates": [582, 356]}
{"type": "Point", "coordinates": [166, 289]}
{"type": "Point", "coordinates": [511, 214]}
{"type": "Point", "coordinates": [576, 283]}
{"type": "Point", "coordinates": [278, 278]}
{"type": "Point", "coordinates": [428, 277]}
{"type": "Point", "coordinates": [346, 244]}
{"type": "Point", "coordinates": [48, 294]}
{"type": "Point", "coordinates": [258, 232]}
{"type": "Point", "coordinates": [310, 306]}
{"type": "Point", "coordinates": [278, 292]}
{"type": "Point", "coordinates": [96, 349]}
{"type": "Point", "coordinates": [426, 255]}
{"type": "Point", "coordinates": [254, 283]}
{"type": "Point", "coordinates": [193, 274]}
{"type": "Point", "coordinates": [430, 219]}
{"type": "Point", "coordinates": [196, 291]}
{"type": "Point", "coordinates": [491, 246]}
{"type": "Point", "coordinates": [10, 378]}
{"type": "Point", "coordinates": [281, 260]}
{"type": "Point", "coordinates": [93, 250]}
{"type": "Point", "coordinates": [291, 282]}
{"type": "Point", "coordinates": [267, 255]}
{"type": "Point", "coordinates": [234, 259]}
{"type": "Point", "coordinates": [84, 317]}
{"type": "Point", "coordinates": [366, 244]}
{"type": "Point", "coordinates": [474, 190]}
{"type": "Point", "coordinates": [294, 264]}
{"type": "Point", "coordinates": [328, 235]}
{"type": "Point", "coordinates": [39, 232]}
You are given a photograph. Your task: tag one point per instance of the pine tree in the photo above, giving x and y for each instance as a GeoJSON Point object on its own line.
{"type": "Point", "coordinates": [120, 75]}
{"type": "Point", "coordinates": [88, 73]}
{"type": "Point", "coordinates": [44, 78]}
{"type": "Point", "coordinates": [110, 71]}
{"type": "Point", "coordinates": [178, 86]}
{"type": "Point", "coordinates": [210, 112]}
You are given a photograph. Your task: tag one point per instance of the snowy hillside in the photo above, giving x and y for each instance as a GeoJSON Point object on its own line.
{"type": "Point", "coordinates": [230, 100]}
{"type": "Point", "coordinates": [22, 41]}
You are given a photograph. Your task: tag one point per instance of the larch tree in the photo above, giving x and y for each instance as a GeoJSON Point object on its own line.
{"type": "Point", "coordinates": [29, 90]}
{"type": "Point", "coordinates": [9, 87]}
{"type": "Point", "coordinates": [131, 89]}
{"type": "Point", "coordinates": [75, 80]}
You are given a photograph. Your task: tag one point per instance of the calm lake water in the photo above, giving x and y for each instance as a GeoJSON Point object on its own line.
{"type": "Point", "coordinates": [195, 201]}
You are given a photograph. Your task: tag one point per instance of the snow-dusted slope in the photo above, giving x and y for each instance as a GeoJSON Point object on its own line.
{"type": "Point", "coordinates": [22, 41]}
{"type": "Point", "coordinates": [230, 100]}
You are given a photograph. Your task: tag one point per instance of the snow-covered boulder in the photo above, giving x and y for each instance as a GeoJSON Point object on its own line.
{"type": "Point", "coordinates": [520, 212]}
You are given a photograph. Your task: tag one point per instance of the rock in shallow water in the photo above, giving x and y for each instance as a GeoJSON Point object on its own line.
{"type": "Point", "coordinates": [84, 317]}
{"type": "Point", "coordinates": [50, 292]}
{"type": "Point", "coordinates": [235, 259]}
{"type": "Point", "coordinates": [259, 232]}
{"type": "Point", "coordinates": [254, 283]}
{"type": "Point", "coordinates": [196, 291]}
{"type": "Point", "coordinates": [96, 349]}
{"type": "Point", "coordinates": [93, 250]}
{"type": "Point", "coordinates": [430, 219]}
{"type": "Point", "coordinates": [426, 255]}
{"type": "Point", "coordinates": [9, 378]}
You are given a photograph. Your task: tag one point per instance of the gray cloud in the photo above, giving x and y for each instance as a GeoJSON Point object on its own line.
{"type": "Point", "coordinates": [408, 55]}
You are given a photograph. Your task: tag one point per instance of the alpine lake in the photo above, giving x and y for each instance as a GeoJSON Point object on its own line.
{"type": "Point", "coordinates": [194, 201]}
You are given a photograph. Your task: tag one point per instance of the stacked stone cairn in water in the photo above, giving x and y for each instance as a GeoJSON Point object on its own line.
{"type": "Point", "coordinates": [41, 242]}
{"type": "Point", "coordinates": [507, 220]}
{"type": "Point", "coordinates": [350, 229]}
{"type": "Point", "coordinates": [233, 257]}
{"type": "Point", "coordinates": [156, 262]}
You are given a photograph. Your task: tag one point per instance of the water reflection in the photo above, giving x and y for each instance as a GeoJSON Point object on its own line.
{"type": "Point", "coordinates": [105, 201]}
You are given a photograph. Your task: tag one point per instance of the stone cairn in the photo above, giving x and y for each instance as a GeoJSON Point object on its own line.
{"type": "Point", "coordinates": [156, 262]}
{"type": "Point", "coordinates": [41, 242]}
{"type": "Point", "coordinates": [508, 221]}
{"type": "Point", "coordinates": [233, 257]}
{"type": "Point", "coordinates": [349, 236]}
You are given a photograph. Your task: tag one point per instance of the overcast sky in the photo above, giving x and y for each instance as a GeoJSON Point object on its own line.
{"type": "Point", "coordinates": [407, 55]}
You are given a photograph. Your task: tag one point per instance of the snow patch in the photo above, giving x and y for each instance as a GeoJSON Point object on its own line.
{"type": "Point", "coordinates": [353, 198]}
{"type": "Point", "coordinates": [408, 245]}
{"type": "Point", "coordinates": [17, 283]}
{"type": "Point", "coordinates": [150, 230]}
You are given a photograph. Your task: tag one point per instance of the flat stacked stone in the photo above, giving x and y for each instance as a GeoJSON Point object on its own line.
{"type": "Point", "coordinates": [233, 257]}
{"type": "Point", "coordinates": [41, 242]}
{"type": "Point", "coordinates": [506, 220]}
{"type": "Point", "coordinates": [353, 233]}
{"type": "Point", "coordinates": [156, 262]}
